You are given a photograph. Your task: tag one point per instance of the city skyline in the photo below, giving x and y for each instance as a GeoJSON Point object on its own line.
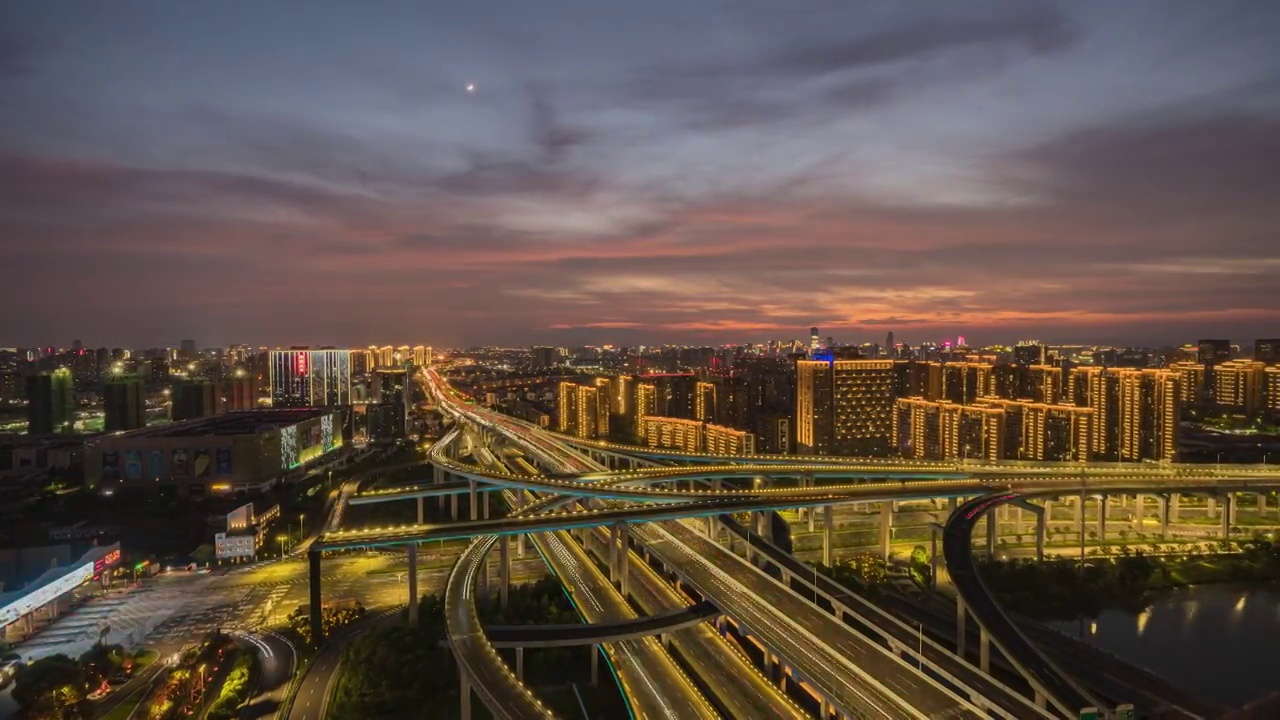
{"type": "Point", "coordinates": [701, 175]}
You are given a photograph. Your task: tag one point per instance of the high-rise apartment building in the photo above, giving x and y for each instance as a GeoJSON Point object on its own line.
{"type": "Point", "coordinates": [1267, 350]}
{"type": "Point", "coordinates": [704, 402]}
{"type": "Point", "coordinates": [814, 342]}
{"type": "Point", "coordinates": [544, 356]}
{"type": "Point", "coordinates": [1030, 352]}
{"type": "Point", "coordinates": [1271, 392]}
{"type": "Point", "coordinates": [583, 410]}
{"type": "Point", "coordinates": [124, 406]}
{"type": "Point", "coordinates": [1099, 388]}
{"type": "Point", "coordinates": [1192, 386]}
{"type": "Point", "coordinates": [1149, 415]}
{"type": "Point", "coordinates": [1213, 352]}
{"type": "Point", "coordinates": [311, 378]}
{"type": "Point", "coordinates": [963, 383]}
{"type": "Point", "coordinates": [1239, 387]}
{"type": "Point", "coordinates": [1044, 384]}
{"type": "Point", "coordinates": [51, 402]}
{"type": "Point", "coordinates": [242, 391]}
{"type": "Point", "coordinates": [845, 407]}
{"type": "Point", "coordinates": [191, 399]}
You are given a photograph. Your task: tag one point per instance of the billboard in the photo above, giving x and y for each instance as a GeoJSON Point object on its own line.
{"type": "Point", "coordinates": [133, 464]}
{"type": "Point", "coordinates": [110, 465]}
{"type": "Point", "coordinates": [202, 463]}
{"type": "Point", "coordinates": [155, 463]}
{"type": "Point", "coordinates": [222, 461]}
{"type": "Point", "coordinates": [105, 563]}
{"type": "Point", "coordinates": [326, 432]}
{"type": "Point", "coordinates": [178, 463]}
{"type": "Point", "coordinates": [289, 447]}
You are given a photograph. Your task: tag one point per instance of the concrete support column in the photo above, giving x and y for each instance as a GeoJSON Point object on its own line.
{"type": "Point", "coordinates": [484, 503]}
{"type": "Point", "coordinates": [471, 496]}
{"type": "Point", "coordinates": [625, 561]}
{"type": "Point", "coordinates": [438, 477]}
{"type": "Point", "coordinates": [613, 552]}
{"type": "Point", "coordinates": [453, 506]}
{"type": "Point", "coordinates": [520, 664]}
{"type": "Point", "coordinates": [984, 651]}
{"type": "Point", "coordinates": [886, 528]}
{"type": "Point", "coordinates": [464, 692]}
{"type": "Point", "coordinates": [1174, 499]}
{"type": "Point", "coordinates": [595, 665]}
{"type": "Point", "coordinates": [313, 577]}
{"type": "Point", "coordinates": [960, 618]}
{"type": "Point", "coordinates": [1168, 504]}
{"type": "Point", "coordinates": [421, 511]}
{"type": "Point", "coordinates": [828, 534]}
{"type": "Point", "coordinates": [1232, 506]}
{"type": "Point", "coordinates": [412, 598]}
{"type": "Point", "coordinates": [1102, 519]}
{"type": "Point", "coordinates": [520, 546]}
{"type": "Point", "coordinates": [1262, 503]}
{"type": "Point", "coordinates": [504, 569]}
{"type": "Point", "coordinates": [1212, 505]}
{"type": "Point", "coordinates": [992, 528]}
{"type": "Point", "coordinates": [1139, 507]}
{"type": "Point", "coordinates": [1080, 516]}
{"type": "Point", "coordinates": [1228, 510]}
{"type": "Point", "coordinates": [933, 555]}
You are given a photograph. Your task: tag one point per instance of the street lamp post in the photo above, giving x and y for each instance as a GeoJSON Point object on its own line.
{"type": "Point", "coordinates": [301, 531]}
{"type": "Point", "coordinates": [282, 539]}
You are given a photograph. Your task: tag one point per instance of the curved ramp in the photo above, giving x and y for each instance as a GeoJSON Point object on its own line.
{"type": "Point", "coordinates": [579, 634]}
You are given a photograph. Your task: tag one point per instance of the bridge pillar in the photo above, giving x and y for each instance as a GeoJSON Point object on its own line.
{"type": "Point", "coordinates": [453, 506]}
{"type": "Point", "coordinates": [1102, 519]}
{"type": "Point", "coordinates": [464, 692]}
{"type": "Point", "coordinates": [1080, 519]}
{"type": "Point", "coordinates": [960, 634]}
{"type": "Point", "coordinates": [313, 580]}
{"type": "Point", "coordinates": [1174, 499]}
{"type": "Point", "coordinates": [412, 597]}
{"type": "Point", "coordinates": [625, 561]}
{"type": "Point", "coordinates": [1228, 511]}
{"type": "Point", "coordinates": [595, 665]}
{"type": "Point", "coordinates": [1167, 505]}
{"type": "Point", "coordinates": [613, 553]}
{"type": "Point", "coordinates": [1262, 503]}
{"type": "Point", "coordinates": [1232, 506]}
{"type": "Point", "coordinates": [934, 529]}
{"type": "Point", "coordinates": [828, 534]}
{"type": "Point", "coordinates": [520, 546]}
{"type": "Point", "coordinates": [1212, 506]}
{"type": "Point", "coordinates": [421, 512]}
{"type": "Point", "coordinates": [504, 569]}
{"type": "Point", "coordinates": [886, 528]}
{"type": "Point", "coordinates": [1139, 507]}
{"type": "Point", "coordinates": [520, 664]}
{"type": "Point", "coordinates": [471, 496]}
{"type": "Point", "coordinates": [993, 526]}
{"type": "Point", "coordinates": [438, 477]}
{"type": "Point", "coordinates": [984, 651]}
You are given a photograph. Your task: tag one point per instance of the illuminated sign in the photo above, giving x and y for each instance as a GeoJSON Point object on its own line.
{"type": "Point", "coordinates": [300, 363]}
{"type": "Point", "coordinates": [982, 508]}
{"type": "Point", "coordinates": [46, 594]}
{"type": "Point", "coordinates": [103, 563]}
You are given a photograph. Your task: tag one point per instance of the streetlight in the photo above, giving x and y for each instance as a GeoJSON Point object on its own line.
{"type": "Point", "coordinates": [282, 539]}
{"type": "Point", "coordinates": [301, 532]}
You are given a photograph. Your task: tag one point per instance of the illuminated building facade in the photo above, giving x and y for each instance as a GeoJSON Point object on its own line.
{"type": "Point", "coordinates": [1213, 352]}
{"type": "Point", "coordinates": [964, 383]}
{"type": "Point", "coordinates": [1267, 350]}
{"type": "Point", "coordinates": [1044, 384]}
{"type": "Point", "coordinates": [582, 410]}
{"type": "Point", "coordinates": [1044, 432]}
{"type": "Point", "coordinates": [1271, 392]}
{"type": "Point", "coordinates": [1149, 415]}
{"type": "Point", "coordinates": [310, 378]}
{"type": "Point", "coordinates": [1192, 386]}
{"type": "Point", "coordinates": [695, 437]}
{"type": "Point", "coordinates": [845, 407]}
{"type": "Point", "coordinates": [1239, 387]}
{"type": "Point", "coordinates": [704, 402]}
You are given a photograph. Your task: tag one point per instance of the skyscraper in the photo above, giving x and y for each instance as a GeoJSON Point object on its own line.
{"type": "Point", "coordinates": [192, 398]}
{"type": "Point", "coordinates": [312, 378]}
{"type": "Point", "coordinates": [1213, 352]}
{"type": "Point", "coordinates": [51, 403]}
{"type": "Point", "coordinates": [1148, 415]}
{"type": "Point", "coordinates": [1267, 350]}
{"type": "Point", "coordinates": [844, 407]}
{"type": "Point", "coordinates": [1029, 352]}
{"type": "Point", "coordinates": [813, 339]}
{"type": "Point", "coordinates": [123, 403]}
{"type": "Point", "coordinates": [890, 350]}
{"type": "Point", "coordinates": [1239, 387]}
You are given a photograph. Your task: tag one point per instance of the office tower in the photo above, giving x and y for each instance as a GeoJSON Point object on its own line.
{"type": "Point", "coordinates": [813, 339]}
{"type": "Point", "coordinates": [1213, 352]}
{"type": "Point", "coordinates": [1192, 386]}
{"type": "Point", "coordinates": [242, 391]}
{"type": "Point", "coordinates": [889, 346]}
{"type": "Point", "coordinates": [1148, 415]}
{"type": "Point", "coordinates": [193, 398]}
{"type": "Point", "coordinates": [1267, 351]}
{"type": "Point", "coordinates": [544, 356]}
{"type": "Point", "coordinates": [1029, 352]}
{"type": "Point", "coordinates": [123, 404]}
{"type": "Point", "coordinates": [311, 378]}
{"type": "Point", "coordinates": [1239, 387]}
{"type": "Point", "coordinates": [1044, 384]}
{"type": "Point", "coordinates": [1271, 392]}
{"type": "Point", "coordinates": [51, 403]}
{"type": "Point", "coordinates": [844, 407]}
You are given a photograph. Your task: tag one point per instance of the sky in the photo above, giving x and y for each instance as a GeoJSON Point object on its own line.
{"type": "Point", "coordinates": [690, 172]}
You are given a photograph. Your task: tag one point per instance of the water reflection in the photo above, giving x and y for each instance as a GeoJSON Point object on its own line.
{"type": "Point", "coordinates": [1216, 641]}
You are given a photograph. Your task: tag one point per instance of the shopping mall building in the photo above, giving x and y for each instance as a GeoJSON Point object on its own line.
{"type": "Point", "coordinates": [238, 451]}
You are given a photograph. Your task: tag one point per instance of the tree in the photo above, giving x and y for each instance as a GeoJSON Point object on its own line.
{"type": "Point", "coordinates": [56, 686]}
{"type": "Point", "coordinates": [204, 554]}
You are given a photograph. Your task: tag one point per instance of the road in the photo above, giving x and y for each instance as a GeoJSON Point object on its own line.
{"type": "Point", "coordinates": [1064, 693]}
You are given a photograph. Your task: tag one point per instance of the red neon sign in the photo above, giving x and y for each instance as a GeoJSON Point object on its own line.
{"type": "Point", "coordinates": [300, 363]}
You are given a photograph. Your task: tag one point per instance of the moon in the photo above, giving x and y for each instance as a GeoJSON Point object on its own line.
{"type": "Point", "coordinates": [471, 87]}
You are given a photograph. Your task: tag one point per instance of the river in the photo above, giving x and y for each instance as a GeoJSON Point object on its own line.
{"type": "Point", "coordinates": [1217, 641]}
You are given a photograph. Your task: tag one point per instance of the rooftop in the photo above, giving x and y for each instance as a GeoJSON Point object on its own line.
{"type": "Point", "coordinates": [234, 423]}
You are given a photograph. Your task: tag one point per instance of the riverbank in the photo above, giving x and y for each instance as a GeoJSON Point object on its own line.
{"type": "Point", "coordinates": [1131, 581]}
